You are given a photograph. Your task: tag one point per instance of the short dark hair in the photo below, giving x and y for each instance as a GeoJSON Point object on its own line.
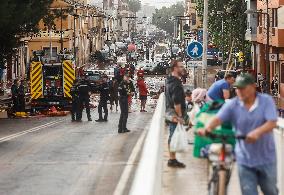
{"type": "Point", "coordinates": [174, 63]}
{"type": "Point", "coordinates": [228, 75]}
{"type": "Point", "coordinates": [188, 93]}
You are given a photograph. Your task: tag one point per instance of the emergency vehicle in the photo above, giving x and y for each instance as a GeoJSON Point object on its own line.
{"type": "Point", "coordinates": [51, 79]}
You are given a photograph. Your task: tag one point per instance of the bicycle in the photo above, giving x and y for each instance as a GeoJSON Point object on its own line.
{"type": "Point", "coordinates": [221, 157]}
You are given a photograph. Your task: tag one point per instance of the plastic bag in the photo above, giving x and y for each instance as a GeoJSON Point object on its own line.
{"type": "Point", "coordinates": [179, 140]}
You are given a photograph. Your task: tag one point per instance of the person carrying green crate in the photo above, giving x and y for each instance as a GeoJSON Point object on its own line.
{"type": "Point", "coordinates": [253, 115]}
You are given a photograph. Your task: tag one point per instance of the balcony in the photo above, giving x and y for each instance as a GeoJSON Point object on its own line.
{"type": "Point", "coordinates": [251, 34]}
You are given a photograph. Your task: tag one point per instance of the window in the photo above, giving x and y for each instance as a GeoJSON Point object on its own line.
{"type": "Point", "coordinates": [47, 51]}
{"type": "Point", "coordinates": [274, 18]}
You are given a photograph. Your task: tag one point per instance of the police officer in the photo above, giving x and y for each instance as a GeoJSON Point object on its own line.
{"type": "Point", "coordinates": [15, 93]}
{"type": "Point", "coordinates": [104, 97]}
{"type": "Point", "coordinates": [75, 111]}
{"type": "Point", "coordinates": [84, 97]}
{"type": "Point", "coordinates": [123, 103]}
{"type": "Point", "coordinates": [21, 97]}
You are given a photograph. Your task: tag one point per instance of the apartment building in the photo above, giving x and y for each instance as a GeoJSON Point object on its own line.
{"type": "Point", "coordinates": [194, 22]}
{"type": "Point", "coordinates": [257, 34]}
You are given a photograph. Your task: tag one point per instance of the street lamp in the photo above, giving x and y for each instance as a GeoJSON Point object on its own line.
{"type": "Point", "coordinates": [267, 63]}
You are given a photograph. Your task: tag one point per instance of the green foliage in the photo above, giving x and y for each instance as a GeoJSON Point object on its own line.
{"type": "Point", "coordinates": [134, 5]}
{"type": "Point", "coordinates": [234, 20]}
{"type": "Point", "coordinates": [164, 17]}
{"type": "Point", "coordinates": [18, 18]}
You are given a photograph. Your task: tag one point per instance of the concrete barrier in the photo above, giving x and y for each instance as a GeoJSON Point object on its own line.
{"type": "Point", "coordinates": [148, 177]}
{"type": "Point", "coordinates": [279, 139]}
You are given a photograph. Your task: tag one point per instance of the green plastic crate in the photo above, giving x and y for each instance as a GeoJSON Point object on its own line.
{"type": "Point", "coordinates": [202, 118]}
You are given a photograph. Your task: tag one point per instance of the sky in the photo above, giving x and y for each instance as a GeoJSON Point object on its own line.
{"type": "Point", "coordinates": [160, 3]}
{"type": "Point", "coordinates": [156, 3]}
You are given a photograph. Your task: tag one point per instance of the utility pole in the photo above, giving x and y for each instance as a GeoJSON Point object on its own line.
{"type": "Point", "coordinates": [205, 44]}
{"type": "Point", "coordinates": [61, 29]}
{"type": "Point", "coordinates": [267, 46]}
{"type": "Point", "coordinates": [74, 39]}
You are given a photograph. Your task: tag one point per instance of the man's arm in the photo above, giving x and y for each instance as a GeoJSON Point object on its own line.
{"type": "Point", "coordinates": [254, 135]}
{"type": "Point", "coordinates": [215, 122]}
{"type": "Point", "coordinates": [226, 94]}
{"type": "Point", "coordinates": [178, 111]}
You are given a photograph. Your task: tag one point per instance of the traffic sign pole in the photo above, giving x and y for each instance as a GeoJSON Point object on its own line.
{"type": "Point", "coordinates": [205, 44]}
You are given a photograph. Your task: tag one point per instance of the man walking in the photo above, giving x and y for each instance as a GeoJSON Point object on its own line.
{"type": "Point", "coordinates": [75, 101]}
{"type": "Point", "coordinates": [123, 103]}
{"type": "Point", "coordinates": [253, 115]}
{"type": "Point", "coordinates": [113, 91]}
{"type": "Point", "coordinates": [143, 92]}
{"type": "Point", "coordinates": [220, 90]}
{"type": "Point", "coordinates": [175, 103]}
{"type": "Point", "coordinates": [84, 96]}
{"type": "Point", "coordinates": [21, 97]}
{"type": "Point", "coordinates": [15, 93]}
{"type": "Point", "coordinates": [104, 97]}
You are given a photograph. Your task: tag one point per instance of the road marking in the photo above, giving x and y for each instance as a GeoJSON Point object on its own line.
{"type": "Point", "coordinates": [129, 165]}
{"type": "Point", "coordinates": [34, 129]}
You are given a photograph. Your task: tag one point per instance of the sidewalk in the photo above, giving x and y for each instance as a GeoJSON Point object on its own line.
{"type": "Point", "coordinates": [194, 178]}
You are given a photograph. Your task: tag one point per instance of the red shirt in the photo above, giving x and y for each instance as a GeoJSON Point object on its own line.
{"type": "Point", "coordinates": [142, 87]}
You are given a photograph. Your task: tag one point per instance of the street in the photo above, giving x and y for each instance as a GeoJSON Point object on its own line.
{"type": "Point", "coordinates": [67, 158]}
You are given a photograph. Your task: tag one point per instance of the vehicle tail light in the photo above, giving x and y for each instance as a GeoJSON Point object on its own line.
{"type": "Point", "coordinates": [47, 83]}
{"type": "Point", "coordinates": [58, 83]}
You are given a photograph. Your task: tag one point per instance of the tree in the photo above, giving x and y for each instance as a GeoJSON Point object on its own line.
{"type": "Point", "coordinates": [134, 6]}
{"type": "Point", "coordinates": [234, 23]}
{"type": "Point", "coordinates": [19, 18]}
{"type": "Point", "coordinates": [164, 18]}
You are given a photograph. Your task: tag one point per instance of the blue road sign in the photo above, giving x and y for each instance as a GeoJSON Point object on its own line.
{"type": "Point", "coordinates": [195, 49]}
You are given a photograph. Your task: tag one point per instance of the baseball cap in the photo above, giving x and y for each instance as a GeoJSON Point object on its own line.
{"type": "Point", "coordinates": [243, 80]}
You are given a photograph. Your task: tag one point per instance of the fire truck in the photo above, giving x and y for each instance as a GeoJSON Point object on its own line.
{"type": "Point", "coordinates": [51, 79]}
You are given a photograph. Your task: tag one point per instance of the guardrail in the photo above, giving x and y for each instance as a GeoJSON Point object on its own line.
{"type": "Point", "coordinates": [148, 177]}
{"type": "Point", "coordinates": [279, 139]}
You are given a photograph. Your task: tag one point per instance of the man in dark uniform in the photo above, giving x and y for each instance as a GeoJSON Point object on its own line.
{"type": "Point", "coordinates": [21, 97]}
{"type": "Point", "coordinates": [14, 91]}
{"type": "Point", "coordinates": [84, 97]}
{"type": "Point", "coordinates": [123, 103]}
{"type": "Point", "coordinates": [104, 97]}
{"type": "Point", "coordinates": [75, 101]}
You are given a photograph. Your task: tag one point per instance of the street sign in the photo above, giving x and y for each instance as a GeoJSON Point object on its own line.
{"type": "Point", "coordinates": [194, 49]}
{"type": "Point", "coordinates": [273, 57]}
{"type": "Point", "coordinates": [193, 64]}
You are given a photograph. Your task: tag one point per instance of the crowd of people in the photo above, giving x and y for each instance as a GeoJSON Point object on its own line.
{"type": "Point", "coordinates": [252, 114]}
{"type": "Point", "coordinates": [118, 91]}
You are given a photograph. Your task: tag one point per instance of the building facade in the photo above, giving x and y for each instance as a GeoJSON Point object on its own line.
{"type": "Point", "coordinates": [194, 21]}
{"type": "Point", "coordinates": [257, 34]}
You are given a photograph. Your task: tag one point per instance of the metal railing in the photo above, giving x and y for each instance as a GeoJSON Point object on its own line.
{"type": "Point", "coordinates": [279, 139]}
{"type": "Point", "coordinates": [148, 177]}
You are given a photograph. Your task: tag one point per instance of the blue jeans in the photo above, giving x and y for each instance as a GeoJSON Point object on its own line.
{"type": "Point", "coordinates": [264, 176]}
{"type": "Point", "coordinates": [172, 128]}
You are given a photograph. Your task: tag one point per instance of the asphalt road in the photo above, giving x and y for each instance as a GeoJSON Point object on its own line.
{"type": "Point", "coordinates": [67, 158]}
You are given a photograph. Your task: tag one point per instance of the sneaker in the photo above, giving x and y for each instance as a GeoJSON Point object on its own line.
{"type": "Point", "coordinates": [144, 111]}
{"type": "Point", "coordinates": [100, 120]}
{"type": "Point", "coordinates": [175, 164]}
{"type": "Point", "coordinates": [105, 120]}
{"type": "Point", "coordinates": [119, 131]}
{"type": "Point", "coordinates": [90, 119]}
